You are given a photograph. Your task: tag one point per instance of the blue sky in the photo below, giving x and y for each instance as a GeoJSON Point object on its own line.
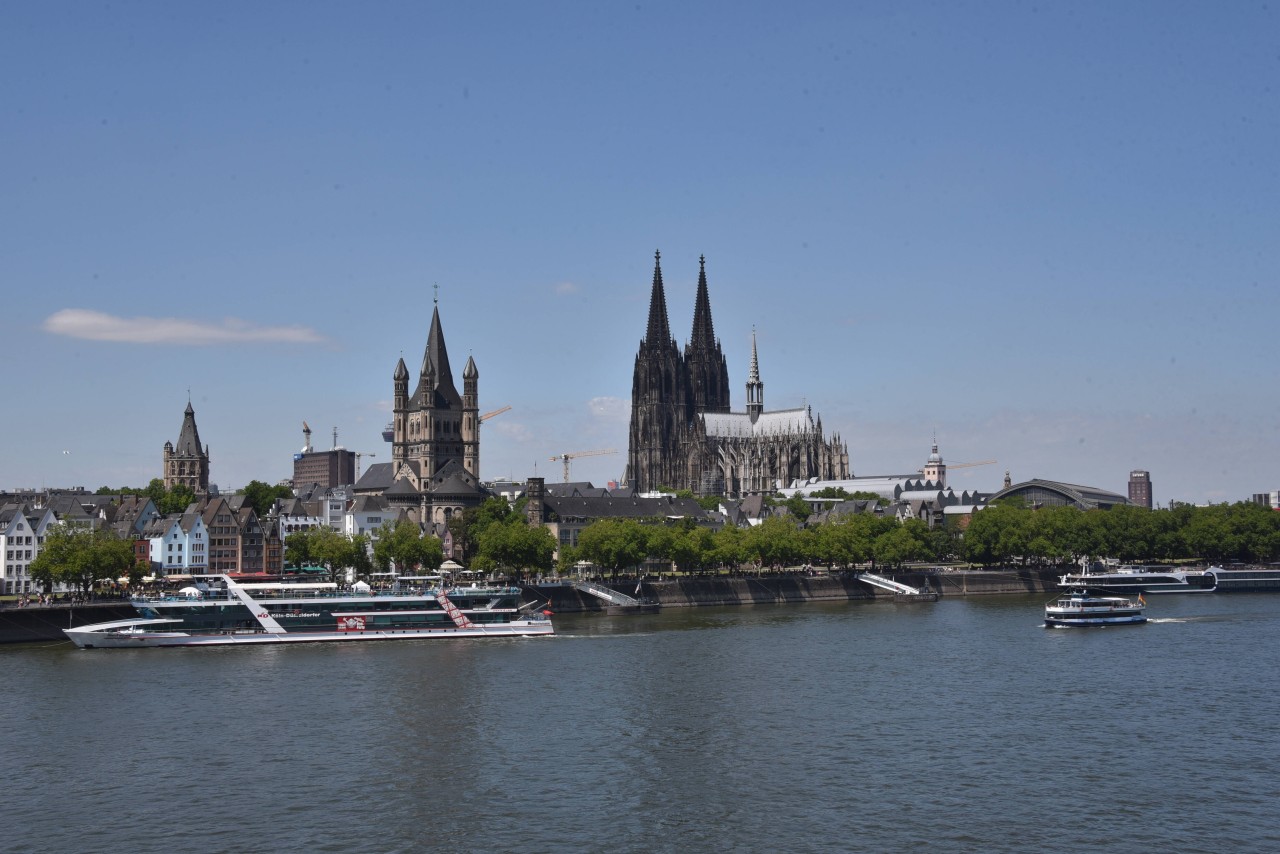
{"type": "Point", "coordinates": [1047, 232]}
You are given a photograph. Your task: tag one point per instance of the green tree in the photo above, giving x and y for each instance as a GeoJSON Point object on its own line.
{"type": "Point", "coordinates": [797, 507]}
{"type": "Point", "coordinates": [515, 545]}
{"type": "Point", "coordinates": [331, 550]}
{"type": "Point", "coordinates": [80, 557]}
{"type": "Point", "coordinates": [774, 542]}
{"type": "Point", "coordinates": [403, 545]}
{"type": "Point", "coordinates": [297, 549]}
{"type": "Point", "coordinates": [905, 542]}
{"type": "Point", "coordinates": [466, 526]}
{"type": "Point", "coordinates": [996, 534]}
{"type": "Point", "coordinates": [613, 544]}
{"type": "Point", "coordinates": [361, 562]}
{"type": "Point", "coordinates": [728, 548]}
{"type": "Point", "coordinates": [261, 496]}
{"type": "Point", "coordinates": [848, 540]}
{"type": "Point", "coordinates": [835, 492]}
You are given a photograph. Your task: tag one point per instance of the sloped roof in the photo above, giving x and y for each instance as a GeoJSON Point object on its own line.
{"type": "Point", "coordinates": [368, 504]}
{"type": "Point", "coordinates": [455, 483]}
{"type": "Point", "coordinates": [188, 444]}
{"type": "Point", "coordinates": [782, 422]}
{"type": "Point", "coordinates": [400, 487]}
{"type": "Point", "coordinates": [436, 358]}
{"type": "Point", "coordinates": [629, 508]}
{"type": "Point", "coordinates": [1086, 497]}
{"type": "Point", "coordinates": [376, 478]}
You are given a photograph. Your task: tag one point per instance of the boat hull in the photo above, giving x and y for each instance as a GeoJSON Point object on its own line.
{"type": "Point", "coordinates": [629, 610]}
{"type": "Point", "coordinates": [89, 637]}
{"type": "Point", "coordinates": [1086, 622]}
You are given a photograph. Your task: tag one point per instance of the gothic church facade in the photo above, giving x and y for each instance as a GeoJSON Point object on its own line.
{"type": "Point", "coordinates": [435, 446]}
{"type": "Point", "coordinates": [684, 434]}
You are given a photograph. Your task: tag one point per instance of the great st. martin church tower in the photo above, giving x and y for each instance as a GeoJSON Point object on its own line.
{"type": "Point", "coordinates": [435, 452]}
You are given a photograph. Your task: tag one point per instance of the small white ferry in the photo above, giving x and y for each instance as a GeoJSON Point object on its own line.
{"type": "Point", "coordinates": [238, 613]}
{"type": "Point", "coordinates": [1082, 608]}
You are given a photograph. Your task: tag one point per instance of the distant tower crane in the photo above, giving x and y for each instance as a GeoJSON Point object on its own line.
{"type": "Point", "coordinates": [488, 415]}
{"type": "Point", "coordinates": [575, 454]}
{"type": "Point", "coordinates": [967, 465]}
{"type": "Point", "coordinates": [360, 454]}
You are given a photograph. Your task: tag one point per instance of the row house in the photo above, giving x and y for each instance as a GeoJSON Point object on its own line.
{"type": "Point", "coordinates": [22, 533]}
{"type": "Point", "coordinates": [294, 515]}
{"type": "Point", "coordinates": [235, 537]}
{"type": "Point", "coordinates": [179, 544]}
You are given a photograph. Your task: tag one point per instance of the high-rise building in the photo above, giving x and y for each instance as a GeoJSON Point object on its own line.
{"type": "Point", "coordinates": [336, 467]}
{"type": "Point", "coordinates": [1140, 488]}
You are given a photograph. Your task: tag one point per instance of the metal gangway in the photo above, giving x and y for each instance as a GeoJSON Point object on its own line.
{"type": "Point", "coordinates": [613, 597]}
{"type": "Point", "coordinates": [897, 588]}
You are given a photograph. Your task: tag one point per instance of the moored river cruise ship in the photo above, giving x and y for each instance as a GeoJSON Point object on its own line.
{"type": "Point", "coordinates": [1142, 579]}
{"type": "Point", "coordinates": [235, 613]}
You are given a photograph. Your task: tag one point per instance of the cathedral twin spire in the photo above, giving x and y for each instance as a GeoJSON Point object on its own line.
{"type": "Point", "coordinates": [659, 332]}
{"type": "Point", "coordinates": [674, 441]}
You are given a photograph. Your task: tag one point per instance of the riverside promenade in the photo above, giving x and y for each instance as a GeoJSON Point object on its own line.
{"type": "Point", "coordinates": [800, 586]}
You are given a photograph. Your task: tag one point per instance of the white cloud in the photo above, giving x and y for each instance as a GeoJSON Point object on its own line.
{"type": "Point", "coordinates": [514, 430]}
{"type": "Point", "coordinates": [566, 288]}
{"type": "Point", "coordinates": [97, 326]}
{"type": "Point", "coordinates": [610, 408]}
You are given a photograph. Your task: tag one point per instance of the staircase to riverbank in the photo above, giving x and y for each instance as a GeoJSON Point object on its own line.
{"type": "Point", "coordinates": [901, 592]}
{"type": "Point", "coordinates": [613, 597]}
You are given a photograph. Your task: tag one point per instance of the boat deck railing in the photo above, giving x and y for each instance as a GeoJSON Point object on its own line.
{"type": "Point", "coordinates": [222, 594]}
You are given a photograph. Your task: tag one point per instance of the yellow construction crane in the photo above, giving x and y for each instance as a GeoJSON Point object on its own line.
{"type": "Point", "coordinates": [488, 415]}
{"type": "Point", "coordinates": [360, 454]}
{"type": "Point", "coordinates": [966, 465]}
{"type": "Point", "coordinates": [575, 454]}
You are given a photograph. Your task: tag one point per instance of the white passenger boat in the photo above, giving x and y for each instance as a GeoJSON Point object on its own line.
{"type": "Point", "coordinates": [1082, 608]}
{"type": "Point", "coordinates": [300, 613]}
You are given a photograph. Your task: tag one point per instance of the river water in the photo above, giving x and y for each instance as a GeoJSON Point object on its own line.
{"type": "Point", "coordinates": [956, 726]}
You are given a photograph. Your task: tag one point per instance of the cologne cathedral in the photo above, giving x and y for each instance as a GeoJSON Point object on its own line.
{"type": "Point", "coordinates": [684, 434]}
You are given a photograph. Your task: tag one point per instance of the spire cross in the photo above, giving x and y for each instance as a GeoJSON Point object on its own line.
{"type": "Point", "coordinates": [436, 299]}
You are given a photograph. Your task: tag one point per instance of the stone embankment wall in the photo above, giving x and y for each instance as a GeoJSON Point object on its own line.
{"type": "Point", "coordinates": [781, 589]}
{"type": "Point", "coordinates": [38, 623]}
